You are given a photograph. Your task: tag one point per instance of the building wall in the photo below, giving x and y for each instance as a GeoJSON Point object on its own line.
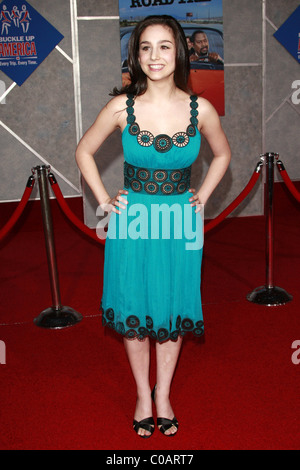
{"type": "Point", "coordinates": [42, 121]}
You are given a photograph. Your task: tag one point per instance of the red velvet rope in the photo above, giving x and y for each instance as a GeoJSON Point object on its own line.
{"type": "Point", "coordinates": [236, 201]}
{"type": "Point", "coordinates": [65, 208]}
{"type": "Point", "coordinates": [79, 224]}
{"type": "Point", "coordinates": [287, 180]}
{"type": "Point", "coordinates": [67, 211]}
{"type": "Point", "coordinates": [19, 209]}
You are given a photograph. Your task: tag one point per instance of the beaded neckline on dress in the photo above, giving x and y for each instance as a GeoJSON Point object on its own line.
{"type": "Point", "coordinates": [162, 142]}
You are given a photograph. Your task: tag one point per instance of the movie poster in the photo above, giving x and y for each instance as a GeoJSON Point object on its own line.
{"type": "Point", "coordinates": [202, 22]}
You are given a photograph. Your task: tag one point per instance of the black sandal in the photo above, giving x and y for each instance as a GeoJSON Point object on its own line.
{"type": "Point", "coordinates": [165, 423]}
{"type": "Point", "coordinates": [147, 424]}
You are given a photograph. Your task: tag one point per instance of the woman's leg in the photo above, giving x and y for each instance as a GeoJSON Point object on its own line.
{"type": "Point", "coordinates": [138, 353]}
{"type": "Point", "coordinates": [166, 357]}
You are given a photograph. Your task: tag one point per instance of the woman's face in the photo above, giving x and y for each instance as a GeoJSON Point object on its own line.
{"type": "Point", "coordinates": [157, 52]}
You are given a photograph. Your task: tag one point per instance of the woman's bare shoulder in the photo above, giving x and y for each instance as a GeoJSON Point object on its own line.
{"type": "Point", "coordinates": [117, 103]}
{"type": "Point", "coordinates": [114, 112]}
{"type": "Point", "coordinates": [205, 108]}
{"type": "Point", "coordinates": [204, 103]}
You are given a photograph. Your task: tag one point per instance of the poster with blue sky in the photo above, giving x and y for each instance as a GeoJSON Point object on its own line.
{"type": "Point", "coordinates": [202, 22]}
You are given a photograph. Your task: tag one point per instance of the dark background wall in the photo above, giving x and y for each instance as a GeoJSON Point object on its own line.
{"type": "Point", "coordinates": [42, 121]}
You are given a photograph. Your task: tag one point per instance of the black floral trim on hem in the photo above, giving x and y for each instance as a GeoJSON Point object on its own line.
{"type": "Point", "coordinates": [132, 329]}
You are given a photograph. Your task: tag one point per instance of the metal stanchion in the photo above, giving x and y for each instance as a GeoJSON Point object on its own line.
{"type": "Point", "coordinates": [57, 316]}
{"type": "Point", "coordinates": [269, 294]}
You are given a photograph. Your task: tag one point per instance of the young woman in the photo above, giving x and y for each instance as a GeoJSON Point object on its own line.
{"type": "Point", "coordinates": [153, 248]}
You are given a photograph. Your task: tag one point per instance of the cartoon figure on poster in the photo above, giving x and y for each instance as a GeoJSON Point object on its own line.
{"type": "Point", "coordinates": [24, 19]}
{"type": "Point", "coordinates": [15, 14]}
{"type": "Point", "coordinates": [18, 18]}
{"type": "Point", "coordinates": [202, 23]}
{"type": "Point", "coordinates": [5, 20]}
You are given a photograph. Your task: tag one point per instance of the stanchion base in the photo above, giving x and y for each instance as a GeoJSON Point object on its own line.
{"type": "Point", "coordinates": [57, 318]}
{"type": "Point", "coordinates": [270, 296]}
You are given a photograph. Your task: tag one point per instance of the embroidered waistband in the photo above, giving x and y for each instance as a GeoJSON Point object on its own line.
{"type": "Point", "coordinates": [152, 181]}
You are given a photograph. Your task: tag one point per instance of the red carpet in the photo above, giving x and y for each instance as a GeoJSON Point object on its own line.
{"type": "Point", "coordinates": [72, 388]}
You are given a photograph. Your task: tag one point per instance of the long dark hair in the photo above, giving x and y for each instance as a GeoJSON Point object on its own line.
{"type": "Point", "coordinates": [138, 79]}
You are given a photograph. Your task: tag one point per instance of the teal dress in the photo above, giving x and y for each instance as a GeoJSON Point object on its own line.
{"type": "Point", "coordinates": [153, 249]}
